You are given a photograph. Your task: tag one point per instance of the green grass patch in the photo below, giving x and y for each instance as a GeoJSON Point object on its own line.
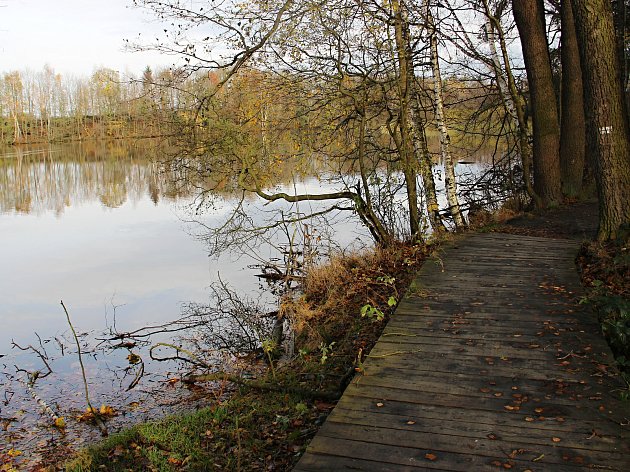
{"type": "Point", "coordinates": [248, 432]}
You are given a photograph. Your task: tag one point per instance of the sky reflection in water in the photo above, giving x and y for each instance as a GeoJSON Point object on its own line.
{"type": "Point", "coordinates": [59, 240]}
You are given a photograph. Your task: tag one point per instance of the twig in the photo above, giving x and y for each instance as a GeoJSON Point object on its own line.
{"type": "Point", "coordinates": [193, 359]}
{"type": "Point", "coordinates": [395, 353]}
{"type": "Point", "coordinates": [99, 421]}
{"type": "Point", "coordinates": [217, 376]}
{"type": "Point", "coordinates": [411, 335]}
{"type": "Point", "coordinates": [139, 375]}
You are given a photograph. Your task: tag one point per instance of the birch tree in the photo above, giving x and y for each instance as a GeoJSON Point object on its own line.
{"type": "Point", "coordinates": [445, 140]}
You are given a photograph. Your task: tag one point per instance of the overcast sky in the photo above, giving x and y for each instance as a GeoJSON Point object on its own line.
{"type": "Point", "coordinates": [74, 36]}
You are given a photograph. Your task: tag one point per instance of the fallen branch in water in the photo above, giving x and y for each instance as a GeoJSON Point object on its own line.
{"type": "Point", "coordinates": [192, 359]}
{"type": "Point", "coordinates": [99, 420]}
{"type": "Point", "coordinates": [328, 395]}
{"type": "Point", "coordinates": [33, 376]}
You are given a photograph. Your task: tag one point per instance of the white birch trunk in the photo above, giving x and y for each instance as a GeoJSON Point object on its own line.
{"type": "Point", "coordinates": [498, 72]}
{"type": "Point", "coordinates": [445, 140]}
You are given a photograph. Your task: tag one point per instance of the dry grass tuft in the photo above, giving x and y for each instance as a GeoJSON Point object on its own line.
{"type": "Point", "coordinates": [334, 293]}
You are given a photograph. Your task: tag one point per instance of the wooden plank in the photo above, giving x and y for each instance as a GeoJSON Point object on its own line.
{"type": "Point", "coordinates": [488, 363]}
{"type": "Point", "coordinates": [582, 409]}
{"type": "Point", "coordinates": [481, 446]}
{"type": "Point", "coordinates": [550, 419]}
{"type": "Point", "coordinates": [497, 397]}
{"type": "Point", "coordinates": [374, 456]}
{"type": "Point", "coordinates": [468, 430]}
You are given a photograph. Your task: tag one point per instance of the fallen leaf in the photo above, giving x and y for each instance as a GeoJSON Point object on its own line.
{"type": "Point", "coordinates": [539, 410]}
{"type": "Point", "coordinates": [60, 422]}
{"type": "Point", "coordinates": [322, 406]}
{"type": "Point", "coordinates": [134, 358]}
{"type": "Point", "coordinates": [556, 440]}
{"type": "Point", "coordinates": [107, 410]}
{"type": "Point", "coordinates": [379, 404]}
{"type": "Point", "coordinates": [14, 452]}
{"type": "Point", "coordinates": [411, 422]}
{"type": "Point", "coordinates": [529, 419]}
{"type": "Point", "coordinates": [430, 456]}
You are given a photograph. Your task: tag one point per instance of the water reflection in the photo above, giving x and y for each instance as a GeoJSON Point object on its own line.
{"type": "Point", "coordinates": [99, 227]}
{"type": "Point", "coordinates": [102, 227]}
{"type": "Point", "coordinates": [52, 178]}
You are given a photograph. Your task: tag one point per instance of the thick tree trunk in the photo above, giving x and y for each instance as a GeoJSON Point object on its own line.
{"type": "Point", "coordinates": [518, 103]}
{"type": "Point", "coordinates": [572, 127]}
{"type": "Point", "coordinates": [605, 111]}
{"type": "Point", "coordinates": [450, 182]}
{"type": "Point", "coordinates": [406, 134]}
{"type": "Point", "coordinates": [530, 21]}
{"type": "Point", "coordinates": [619, 17]}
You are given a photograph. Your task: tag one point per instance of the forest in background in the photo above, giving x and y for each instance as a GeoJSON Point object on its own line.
{"type": "Point", "coordinates": [364, 86]}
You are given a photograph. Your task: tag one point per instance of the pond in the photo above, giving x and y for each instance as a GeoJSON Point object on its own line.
{"type": "Point", "coordinates": [99, 226]}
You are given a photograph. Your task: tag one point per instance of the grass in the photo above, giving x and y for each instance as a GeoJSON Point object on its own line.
{"type": "Point", "coordinates": [246, 432]}
{"type": "Point", "coordinates": [266, 424]}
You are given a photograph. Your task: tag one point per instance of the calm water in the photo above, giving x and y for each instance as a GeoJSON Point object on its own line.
{"type": "Point", "coordinates": [99, 227]}
{"type": "Point", "coordinates": [96, 233]}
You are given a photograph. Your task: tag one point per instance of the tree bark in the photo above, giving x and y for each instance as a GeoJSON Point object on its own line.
{"type": "Point", "coordinates": [530, 21]}
{"type": "Point", "coordinates": [572, 126]}
{"type": "Point", "coordinates": [405, 86]}
{"type": "Point", "coordinates": [605, 111]}
{"type": "Point", "coordinates": [517, 101]}
{"type": "Point", "coordinates": [450, 182]}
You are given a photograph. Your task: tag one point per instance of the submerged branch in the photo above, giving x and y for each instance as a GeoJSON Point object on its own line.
{"type": "Point", "coordinates": [328, 395]}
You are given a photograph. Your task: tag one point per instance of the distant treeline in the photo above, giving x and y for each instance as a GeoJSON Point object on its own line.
{"type": "Point", "coordinates": [45, 106]}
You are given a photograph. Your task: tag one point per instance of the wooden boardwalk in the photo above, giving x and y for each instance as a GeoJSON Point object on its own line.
{"type": "Point", "coordinates": [488, 364]}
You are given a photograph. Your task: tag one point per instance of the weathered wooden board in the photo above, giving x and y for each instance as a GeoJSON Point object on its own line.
{"type": "Point", "coordinates": [489, 363]}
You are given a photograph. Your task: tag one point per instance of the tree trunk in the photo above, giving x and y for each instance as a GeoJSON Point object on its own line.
{"type": "Point", "coordinates": [405, 72]}
{"type": "Point", "coordinates": [450, 182]}
{"type": "Point", "coordinates": [497, 68]}
{"type": "Point", "coordinates": [619, 17]}
{"type": "Point", "coordinates": [367, 214]}
{"type": "Point", "coordinates": [572, 127]}
{"type": "Point", "coordinates": [530, 21]}
{"type": "Point", "coordinates": [605, 111]}
{"type": "Point", "coordinates": [518, 103]}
